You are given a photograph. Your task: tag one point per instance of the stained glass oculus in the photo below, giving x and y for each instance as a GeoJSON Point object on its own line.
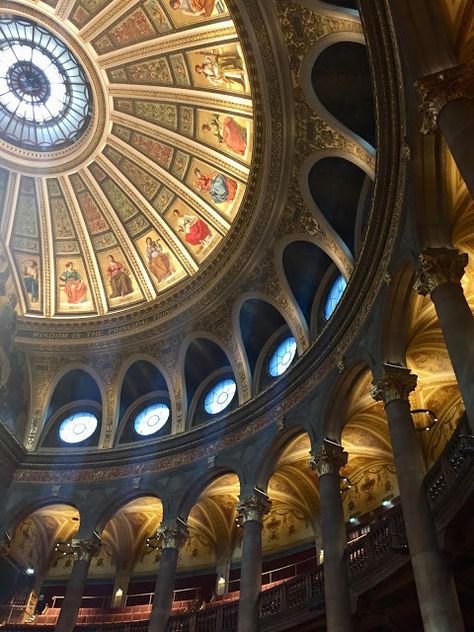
{"type": "Point", "coordinates": [334, 296]}
{"type": "Point", "coordinates": [45, 98]}
{"type": "Point", "coordinates": [220, 396]}
{"type": "Point", "coordinates": [151, 419]}
{"type": "Point", "coordinates": [78, 427]}
{"type": "Point", "coordinates": [282, 357]}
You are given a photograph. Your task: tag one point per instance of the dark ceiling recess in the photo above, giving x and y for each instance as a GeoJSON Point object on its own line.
{"type": "Point", "coordinates": [141, 378]}
{"type": "Point", "coordinates": [341, 81]}
{"type": "Point", "coordinates": [348, 4]}
{"type": "Point", "coordinates": [258, 321]}
{"type": "Point", "coordinates": [336, 185]}
{"type": "Point", "coordinates": [73, 386]}
{"type": "Point", "coordinates": [202, 358]}
{"type": "Point", "coordinates": [305, 266]}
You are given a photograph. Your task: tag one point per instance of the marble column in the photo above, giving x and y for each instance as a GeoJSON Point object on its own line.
{"type": "Point", "coordinates": [434, 584]}
{"type": "Point", "coordinates": [447, 104]}
{"type": "Point", "coordinates": [327, 460]}
{"type": "Point", "coordinates": [83, 552]}
{"type": "Point", "coordinates": [252, 510]}
{"type": "Point", "coordinates": [439, 276]}
{"type": "Point", "coordinates": [173, 536]}
{"type": "Point", "coordinates": [122, 580]}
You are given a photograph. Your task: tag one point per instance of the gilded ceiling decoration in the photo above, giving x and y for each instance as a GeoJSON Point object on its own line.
{"type": "Point", "coordinates": [142, 153]}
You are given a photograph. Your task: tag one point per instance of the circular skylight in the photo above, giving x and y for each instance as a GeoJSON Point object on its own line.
{"type": "Point", "coordinates": [220, 396]}
{"type": "Point", "coordinates": [282, 357]}
{"type": "Point", "coordinates": [78, 427]}
{"type": "Point", "coordinates": [334, 296]}
{"type": "Point", "coordinates": [151, 419]}
{"type": "Point", "coordinates": [44, 93]}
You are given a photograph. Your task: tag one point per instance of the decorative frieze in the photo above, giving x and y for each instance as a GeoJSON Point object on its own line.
{"type": "Point", "coordinates": [254, 507]}
{"type": "Point", "coordinates": [328, 458]}
{"type": "Point", "coordinates": [439, 266]}
{"type": "Point", "coordinates": [397, 382]}
{"type": "Point", "coordinates": [438, 89]}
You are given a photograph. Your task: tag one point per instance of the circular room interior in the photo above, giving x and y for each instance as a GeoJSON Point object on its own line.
{"type": "Point", "coordinates": [236, 315]}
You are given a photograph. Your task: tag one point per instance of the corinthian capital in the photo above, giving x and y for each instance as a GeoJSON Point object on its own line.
{"type": "Point", "coordinates": [254, 507]}
{"type": "Point", "coordinates": [85, 549]}
{"type": "Point", "coordinates": [439, 266]}
{"type": "Point", "coordinates": [439, 89]}
{"type": "Point", "coordinates": [173, 535]}
{"type": "Point", "coordinates": [328, 458]}
{"type": "Point", "coordinates": [396, 382]}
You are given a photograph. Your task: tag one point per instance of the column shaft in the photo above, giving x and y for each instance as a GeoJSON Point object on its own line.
{"type": "Point", "coordinates": [336, 585]}
{"type": "Point", "coordinates": [457, 324]}
{"type": "Point", "coordinates": [251, 576]}
{"type": "Point", "coordinates": [456, 123]}
{"type": "Point", "coordinates": [434, 584]}
{"type": "Point", "coordinates": [74, 592]}
{"type": "Point", "coordinates": [164, 590]}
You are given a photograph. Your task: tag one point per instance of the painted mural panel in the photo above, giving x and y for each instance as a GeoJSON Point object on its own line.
{"type": "Point", "coordinates": [195, 233]}
{"type": "Point", "coordinates": [224, 191]}
{"type": "Point", "coordinates": [121, 286]}
{"type": "Point", "coordinates": [221, 68]}
{"type": "Point", "coordinates": [231, 135]}
{"type": "Point", "coordinates": [164, 267]}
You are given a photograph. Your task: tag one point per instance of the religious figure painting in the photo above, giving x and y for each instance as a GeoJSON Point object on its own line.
{"type": "Point", "coordinates": [163, 266]}
{"type": "Point", "coordinates": [192, 230]}
{"type": "Point", "coordinates": [188, 11]}
{"type": "Point", "coordinates": [230, 134]}
{"type": "Point", "coordinates": [30, 275]}
{"type": "Point", "coordinates": [118, 279]}
{"type": "Point", "coordinates": [222, 189]}
{"type": "Point", "coordinates": [73, 291]}
{"type": "Point", "coordinates": [220, 68]}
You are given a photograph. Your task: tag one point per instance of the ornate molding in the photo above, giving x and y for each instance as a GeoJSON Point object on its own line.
{"type": "Point", "coordinates": [438, 89]}
{"type": "Point", "coordinates": [173, 535]}
{"type": "Point", "coordinates": [328, 458]}
{"type": "Point", "coordinates": [439, 266]}
{"type": "Point", "coordinates": [254, 507]}
{"type": "Point", "coordinates": [397, 382]}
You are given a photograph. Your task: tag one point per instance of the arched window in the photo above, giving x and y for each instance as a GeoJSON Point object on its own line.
{"type": "Point", "coordinates": [334, 296]}
{"type": "Point", "coordinates": [220, 396]}
{"type": "Point", "coordinates": [282, 357]}
{"type": "Point", "coordinates": [78, 427]}
{"type": "Point", "coordinates": [151, 419]}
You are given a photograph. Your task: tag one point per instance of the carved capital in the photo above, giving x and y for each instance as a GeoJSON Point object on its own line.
{"type": "Point", "coordinates": [396, 382]}
{"type": "Point", "coordinates": [85, 549]}
{"type": "Point", "coordinates": [439, 89]}
{"type": "Point", "coordinates": [254, 507]}
{"type": "Point", "coordinates": [173, 535]}
{"type": "Point", "coordinates": [328, 458]}
{"type": "Point", "coordinates": [439, 266]}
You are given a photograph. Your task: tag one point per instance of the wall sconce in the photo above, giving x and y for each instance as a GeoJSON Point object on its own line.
{"type": "Point", "coordinates": [345, 484]}
{"type": "Point", "coordinates": [431, 418]}
{"type": "Point", "coordinates": [29, 570]}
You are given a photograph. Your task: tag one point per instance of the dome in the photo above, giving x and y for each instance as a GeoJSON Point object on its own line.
{"type": "Point", "coordinates": [126, 146]}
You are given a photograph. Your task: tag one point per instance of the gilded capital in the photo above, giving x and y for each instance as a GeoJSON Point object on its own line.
{"type": "Point", "coordinates": [254, 507]}
{"type": "Point", "coordinates": [173, 535]}
{"type": "Point", "coordinates": [85, 549]}
{"type": "Point", "coordinates": [397, 382]}
{"type": "Point", "coordinates": [328, 458]}
{"type": "Point", "coordinates": [439, 266]}
{"type": "Point", "coordinates": [438, 89]}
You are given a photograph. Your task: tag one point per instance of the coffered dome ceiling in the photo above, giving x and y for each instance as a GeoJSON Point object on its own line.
{"type": "Point", "coordinates": [126, 145]}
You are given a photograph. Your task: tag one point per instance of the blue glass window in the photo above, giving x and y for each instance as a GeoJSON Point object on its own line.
{"type": "Point", "coordinates": [151, 419]}
{"type": "Point", "coordinates": [282, 357]}
{"type": "Point", "coordinates": [220, 396]}
{"type": "Point", "coordinates": [78, 427]}
{"type": "Point", "coordinates": [334, 296]}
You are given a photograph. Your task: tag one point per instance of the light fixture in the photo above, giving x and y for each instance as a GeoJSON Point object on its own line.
{"type": "Point", "coordinates": [118, 593]}
{"type": "Point", "coordinates": [221, 580]}
{"type": "Point", "coordinates": [431, 418]}
{"type": "Point", "coordinates": [353, 520]}
{"type": "Point", "coordinates": [387, 503]}
{"type": "Point", "coordinates": [346, 484]}
{"type": "Point", "coordinates": [29, 570]}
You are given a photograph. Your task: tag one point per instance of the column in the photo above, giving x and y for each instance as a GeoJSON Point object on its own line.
{"type": "Point", "coordinates": [327, 460]}
{"type": "Point", "coordinates": [83, 551]}
{"type": "Point", "coordinates": [223, 573]}
{"type": "Point", "coordinates": [173, 536]}
{"type": "Point", "coordinates": [435, 587]}
{"type": "Point", "coordinates": [252, 510]}
{"type": "Point", "coordinates": [122, 580]}
{"type": "Point", "coordinates": [440, 273]}
{"type": "Point", "coordinates": [447, 104]}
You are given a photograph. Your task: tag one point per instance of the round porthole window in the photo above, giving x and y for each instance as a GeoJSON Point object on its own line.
{"type": "Point", "coordinates": [220, 396]}
{"type": "Point", "coordinates": [282, 357]}
{"type": "Point", "coordinates": [78, 427]}
{"type": "Point", "coordinates": [151, 419]}
{"type": "Point", "coordinates": [334, 296]}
